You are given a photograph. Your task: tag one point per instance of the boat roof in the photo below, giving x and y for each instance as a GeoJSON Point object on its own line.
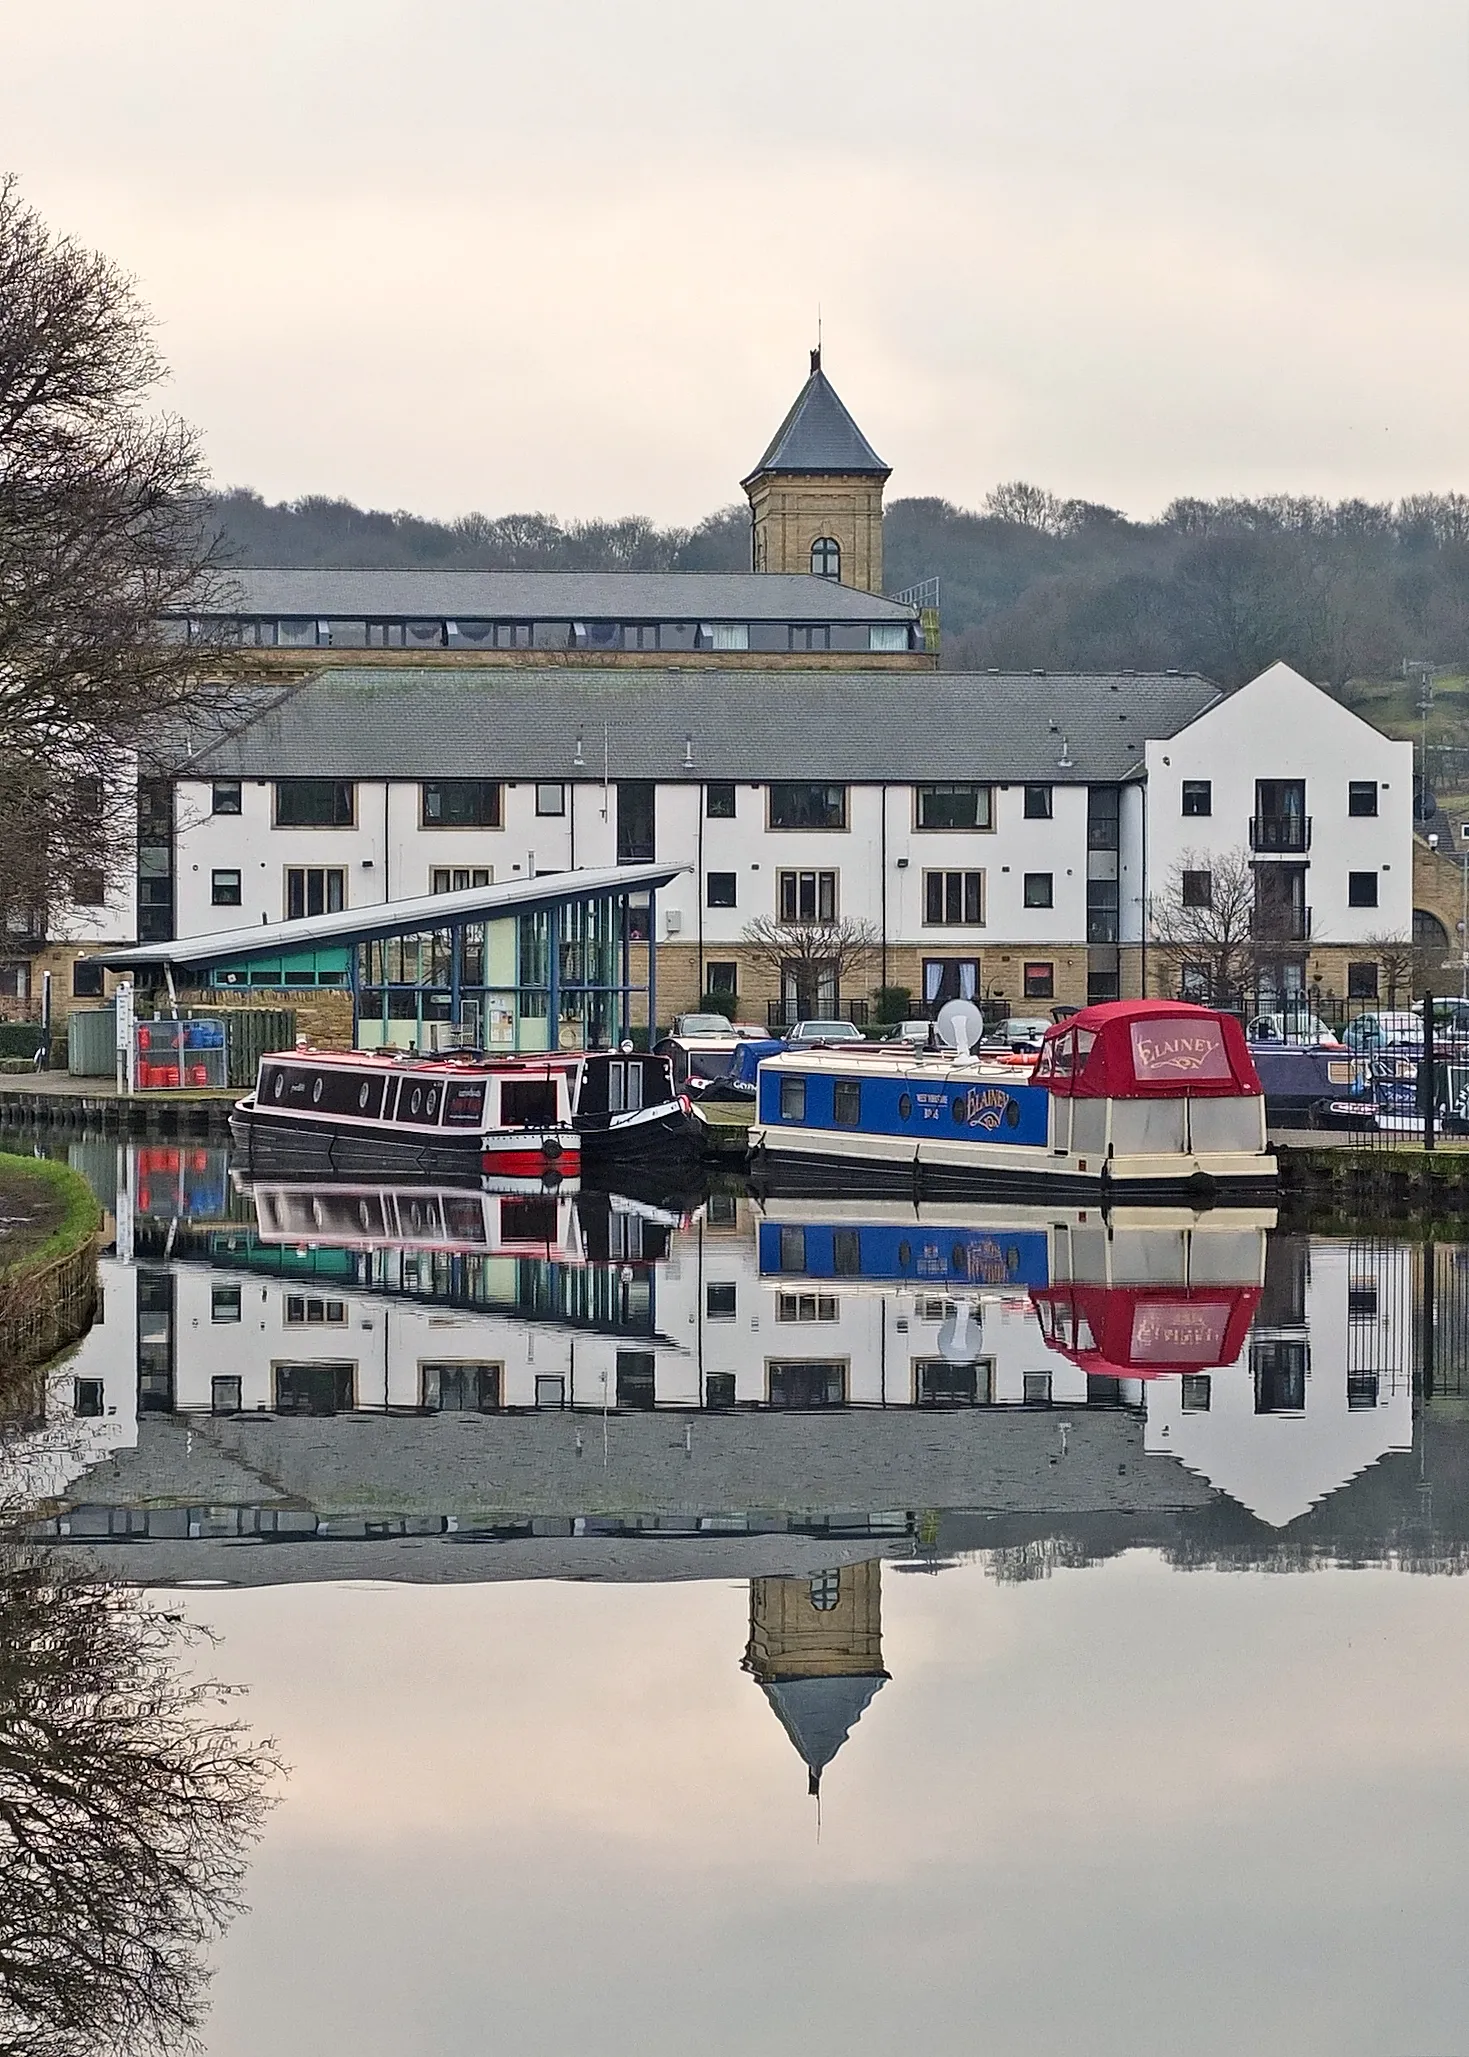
{"type": "Point", "coordinates": [1147, 1049]}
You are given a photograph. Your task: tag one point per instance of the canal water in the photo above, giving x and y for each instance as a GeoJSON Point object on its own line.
{"type": "Point", "coordinates": [697, 1624]}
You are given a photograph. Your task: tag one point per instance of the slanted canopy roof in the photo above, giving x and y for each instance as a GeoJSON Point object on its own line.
{"type": "Point", "coordinates": [396, 917]}
{"type": "Point", "coordinates": [818, 435]}
{"type": "Point", "coordinates": [1147, 1050]}
{"type": "Point", "coordinates": [1145, 1331]}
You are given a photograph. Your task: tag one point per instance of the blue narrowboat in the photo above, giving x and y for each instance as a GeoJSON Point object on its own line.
{"type": "Point", "coordinates": [1129, 1101]}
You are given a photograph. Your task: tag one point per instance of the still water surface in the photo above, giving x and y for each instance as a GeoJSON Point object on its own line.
{"type": "Point", "coordinates": [803, 1627]}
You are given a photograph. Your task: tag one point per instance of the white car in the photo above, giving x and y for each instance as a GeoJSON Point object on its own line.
{"type": "Point", "coordinates": [1020, 1032]}
{"type": "Point", "coordinates": [826, 1032]}
{"type": "Point", "coordinates": [1308, 1029]}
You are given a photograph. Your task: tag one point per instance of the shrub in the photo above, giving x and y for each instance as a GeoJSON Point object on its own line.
{"type": "Point", "coordinates": [892, 1004]}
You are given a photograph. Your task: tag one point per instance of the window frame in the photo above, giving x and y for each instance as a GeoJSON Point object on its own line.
{"type": "Point", "coordinates": [556, 786]}
{"type": "Point", "coordinates": [1035, 882]}
{"type": "Point", "coordinates": [1031, 969]}
{"type": "Point", "coordinates": [297, 787]}
{"type": "Point", "coordinates": [328, 871]}
{"type": "Point", "coordinates": [829, 550]}
{"type": "Point", "coordinates": [1357, 884]}
{"type": "Point", "coordinates": [984, 804]}
{"type": "Point", "coordinates": [219, 895]}
{"type": "Point", "coordinates": [217, 805]}
{"type": "Point", "coordinates": [726, 790]}
{"type": "Point", "coordinates": [729, 882]}
{"type": "Point", "coordinates": [968, 877]}
{"type": "Point", "coordinates": [808, 786]}
{"type": "Point", "coordinates": [493, 789]}
{"type": "Point", "coordinates": [819, 875]}
{"type": "Point", "coordinates": [1040, 803]}
{"type": "Point", "coordinates": [1362, 789]}
{"type": "Point", "coordinates": [1193, 789]}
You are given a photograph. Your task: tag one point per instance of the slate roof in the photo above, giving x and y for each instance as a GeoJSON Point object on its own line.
{"type": "Point", "coordinates": [818, 435]}
{"type": "Point", "coordinates": [852, 726]}
{"type": "Point", "coordinates": [818, 1714]}
{"type": "Point", "coordinates": [649, 596]}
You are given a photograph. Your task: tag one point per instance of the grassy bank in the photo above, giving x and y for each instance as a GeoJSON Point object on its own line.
{"type": "Point", "coordinates": [46, 1211]}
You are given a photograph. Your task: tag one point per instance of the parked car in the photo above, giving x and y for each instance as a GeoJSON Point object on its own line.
{"type": "Point", "coordinates": [1292, 1028]}
{"type": "Point", "coordinates": [825, 1032]}
{"type": "Point", "coordinates": [1371, 1032]}
{"type": "Point", "coordinates": [914, 1032]}
{"type": "Point", "coordinates": [702, 1025]}
{"type": "Point", "coordinates": [1020, 1032]}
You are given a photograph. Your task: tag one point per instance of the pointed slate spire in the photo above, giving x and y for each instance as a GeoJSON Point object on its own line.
{"type": "Point", "coordinates": [818, 1714]}
{"type": "Point", "coordinates": [818, 436]}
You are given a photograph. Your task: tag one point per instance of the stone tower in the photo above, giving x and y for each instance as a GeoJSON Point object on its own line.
{"type": "Point", "coordinates": [816, 495]}
{"type": "Point", "coordinates": [816, 1648]}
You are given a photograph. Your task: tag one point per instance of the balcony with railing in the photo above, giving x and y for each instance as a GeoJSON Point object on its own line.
{"type": "Point", "coordinates": [784, 1014]}
{"type": "Point", "coordinates": [1281, 924]}
{"type": "Point", "coordinates": [1280, 835]}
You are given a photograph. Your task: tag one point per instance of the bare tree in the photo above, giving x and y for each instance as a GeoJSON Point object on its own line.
{"type": "Point", "coordinates": [100, 535]}
{"type": "Point", "coordinates": [811, 952]}
{"type": "Point", "coordinates": [127, 1806]}
{"type": "Point", "coordinates": [1203, 924]}
{"type": "Point", "coordinates": [1399, 960]}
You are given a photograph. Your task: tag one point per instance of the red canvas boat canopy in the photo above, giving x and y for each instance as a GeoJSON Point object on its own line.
{"type": "Point", "coordinates": [1146, 1331]}
{"type": "Point", "coordinates": [1146, 1050]}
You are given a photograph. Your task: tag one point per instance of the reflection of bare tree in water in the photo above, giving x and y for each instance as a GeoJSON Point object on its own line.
{"type": "Point", "coordinates": [127, 1805]}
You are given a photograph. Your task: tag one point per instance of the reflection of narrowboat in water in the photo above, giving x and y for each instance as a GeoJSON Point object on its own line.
{"type": "Point", "coordinates": [1134, 1100]}
{"type": "Point", "coordinates": [560, 1225]}
{"type": "Point", "coordinates": [340, 1113]}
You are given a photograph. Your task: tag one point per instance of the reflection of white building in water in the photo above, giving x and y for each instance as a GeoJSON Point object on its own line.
{"type": "Point", "coordinates": [1138, 1363]}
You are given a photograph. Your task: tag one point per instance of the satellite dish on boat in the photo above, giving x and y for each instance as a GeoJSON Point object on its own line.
{"type": "Point", "coordinates": [960, 1025]}
{"type": "Point", "coordinates": [961, 1334]}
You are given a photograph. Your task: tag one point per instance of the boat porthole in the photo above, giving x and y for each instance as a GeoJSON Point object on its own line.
{"type": "Point", "coordinates": [416, 1102]}
{"type": "Point", "coordinates": [362, 1096]}
{"type": "Point", "coordinates": [905, 1255]}
{"type": "Point", "coordinates": [905, 1106]}
{"type": "Point", "coordinates": [280, 1084]}
{"type": "Point", "coordinates": [316, 1092]}
{"type": "Point", "coordinates": [1012, 1114]}
{"type": "Point", "coordinates": [432, 1101]}
{"type": "Point", "coordinates": [961, 1113]}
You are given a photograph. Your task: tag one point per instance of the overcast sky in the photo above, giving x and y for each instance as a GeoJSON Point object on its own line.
{"type": "Point", "coordinates": [447, 254]}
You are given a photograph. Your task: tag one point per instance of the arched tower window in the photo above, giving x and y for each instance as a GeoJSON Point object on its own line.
{"type": "Point", "coordinates": [826, 1590]}
{"type": "Point", "coordinates": [1429, 932]}
{"type": "Point", "coordinates": [826, 557]}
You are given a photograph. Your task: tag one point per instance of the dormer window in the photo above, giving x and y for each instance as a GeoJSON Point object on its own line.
{"type": "Point", "coordinates": [826, 558]}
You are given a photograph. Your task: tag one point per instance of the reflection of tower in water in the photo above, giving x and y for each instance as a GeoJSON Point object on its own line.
{"type": "Point", "coordinates": [816, 1649]}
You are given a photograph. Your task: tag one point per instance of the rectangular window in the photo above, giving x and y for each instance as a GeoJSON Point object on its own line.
{"type": "Point", "coordinates": [1037, 803]}
{"type": "Point", "coordinates": [719, 800]}
{"type": "Point", "coordinates": [793, 1100]}
{"type": "Point", "coordinates": [1197, 1392]}
{"type": "Point", "coordinates": [1362, 981]}
{"type": "Point", "coordinates": [460, 878]}
{"type": "Point", "coordinates": [808, 1384]}
{"type": "Point", "coordinates": [1040, 981]}
{"type": "Point", "coordinates": [224, 889]}
{"type": "Point", "coordinates": [1361, 1300]}
{"type": "Point", "coordinates": [954, 807]}
{"type": "Point", "coordinates": [88, 888]}
{"type": "Point", "coordinates": [806, 895]}
{"type": "Point", "coordinates": [846, 1097]}
{"type": "Point", "coordinates": [635, 821]}
{"type": "Point", "coordinates": [224, 1396]}
{"type": "Point", "coordinates": [1198, 796]}
{"type": "Point", "coordinates": [1280, 1365]}
{"type": "Point", "coordinates": [88, 1398]}
{"type": "Point", "coordinates": [1039, 889]}
{"type": "Point", "coordinates": [1101, 919]}
{"type": "Point", "coordinates": [224, 1303]}
{"type": "Point", "coordinates": [806, 1307]}
{"type": "Point", "coordinates": [720, 1297]}
{"type": "Point", "coordinates": [314, 803]}
{"type": "Point", "coordinates": [1361, 796]}
{"type": "Point", "coordinates": [550, 798]}
{"type": "Point", "coordinates": [808, 807]}
{"type": "Point", "coordinates": [1198, 889]}
{"type": "Point", "coordinates": [458, 1388]}
{"type": "Point", "coordinates": [1361, 888]}
{"type": "Point", "coordinates": [227, 797]}
{"type": "Point", "coordinates": [306, 1310]}
{"type": "Point", "coordinates": [721, 978]}
{"type": "Point", "coordinates": [460, 803]}
{"type": "Point", "coordinates": [314, 889]}
{"type": "Point", "coordinates": [953, 899]}
{"type": "Point", "coordinates": [809, 636]}
{"type": "Point", "coordinates": [719, 889]}
{"type": "Point", "coordinates": [1037, 1388]}
{"type": "Point", "coordinates": [887, 635]}
{"type": "Point", "coordinates": [725, 635]}
{"type": "Point", "coordinates": [87, 981]}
